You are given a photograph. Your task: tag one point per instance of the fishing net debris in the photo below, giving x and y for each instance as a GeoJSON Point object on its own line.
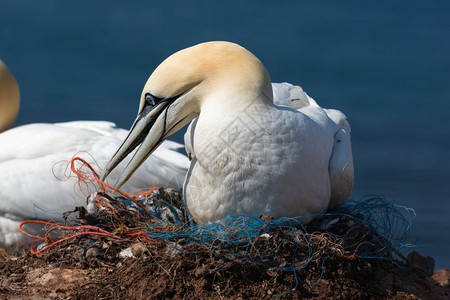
{"type": "Point", "coordinates": [127, 225]}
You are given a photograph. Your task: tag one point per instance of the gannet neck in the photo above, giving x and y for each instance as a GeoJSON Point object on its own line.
{"type": "Point", "coordinates": [9, 98]}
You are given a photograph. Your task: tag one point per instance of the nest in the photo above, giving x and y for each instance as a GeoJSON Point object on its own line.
{"type": "Point", "coordinates": [157, 219]}
{"type": "Point", "coordinates": [140, 226]}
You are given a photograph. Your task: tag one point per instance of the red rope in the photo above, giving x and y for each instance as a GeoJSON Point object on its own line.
{"type": "Point", "coordinates": [102, 184]}
{"type": "Point", "coordinates": [87, 229]}
{"type": "Point", "coordinates": [91, 230]}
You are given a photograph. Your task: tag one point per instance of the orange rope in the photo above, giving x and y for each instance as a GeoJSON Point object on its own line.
{"type": "Point", "coordinates": [102, 184]}
{"type": "Point", "coordinates": [89, 229]}
{"type": "Point", "coordinates": [37, 252]}
{"type": "Point", "coordinates": [93, 230]}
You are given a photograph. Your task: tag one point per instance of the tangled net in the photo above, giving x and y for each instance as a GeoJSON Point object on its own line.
{"type": "Point", "coordinates": [373, 228]}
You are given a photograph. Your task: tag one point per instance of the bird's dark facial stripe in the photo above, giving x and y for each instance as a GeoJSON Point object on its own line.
{"type": "Point", "coordinates": [152, 101]}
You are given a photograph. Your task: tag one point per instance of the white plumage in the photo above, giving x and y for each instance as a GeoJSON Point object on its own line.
{"type": "Point", "coordinates": [34, 160]}
{"type": "Point", "coordinates": [249, 156]}
{"type": "Point", "coordinates": [341, 168]}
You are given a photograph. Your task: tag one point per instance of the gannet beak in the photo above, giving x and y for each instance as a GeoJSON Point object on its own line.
{"type": "Point", "coordinates": [149, 129]}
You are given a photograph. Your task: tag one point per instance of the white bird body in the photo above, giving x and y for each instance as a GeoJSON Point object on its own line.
{"type": "Point", "coordinates": [341, 169]}
{"type": "Point", "coordinates": [249, 156]}
{"type": "Point", "coordinates": [34, 165]}
{"type": "Point", "coordinates": [270, 161]}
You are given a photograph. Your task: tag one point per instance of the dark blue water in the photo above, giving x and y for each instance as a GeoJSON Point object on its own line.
{"type": "Point", "coordinates": [385, 64]}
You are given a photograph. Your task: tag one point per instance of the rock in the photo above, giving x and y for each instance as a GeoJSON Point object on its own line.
{"type": "Point", "coordinates": [442, 277]}
{"type": "Point", "coordinates": [92, 254]}
{"type": "Point", "coordinates": [173, 249]}
{"type": "Point", "coordinates": [79, 254]}
{"type": "Point", "coordinates": [138, 249]}
{"type": "Point", "coordinates": [91, 207]}
{"type": "Point", "coordinates": [419, 263]}
{"type": "Point", "coordinates": [265, 236]}
{"type": "Point", "coordinates": [126, 253]}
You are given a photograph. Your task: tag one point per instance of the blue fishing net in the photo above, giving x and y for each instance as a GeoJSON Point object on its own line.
{"type": "Point", "coordinates": [372, 228]}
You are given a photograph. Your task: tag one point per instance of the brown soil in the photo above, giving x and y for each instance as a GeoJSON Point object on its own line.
{"type": "Point", "coordinates": [122, 265]}
{"type": "Point", "coordinates": [162, 273]}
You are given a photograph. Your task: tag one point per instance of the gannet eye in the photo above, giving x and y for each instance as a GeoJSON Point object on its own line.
{"type": "Point", "coordinates": [151, 100]}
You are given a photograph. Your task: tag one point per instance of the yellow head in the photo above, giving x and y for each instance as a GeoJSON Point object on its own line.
{"type": "Point", "coordinates": [9, 98]}
{"type": "Point", "coordinates": [207, 68]}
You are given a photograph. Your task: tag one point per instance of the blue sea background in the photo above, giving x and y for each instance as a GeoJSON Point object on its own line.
{"type": "Point", "coordinates": [386, 64]}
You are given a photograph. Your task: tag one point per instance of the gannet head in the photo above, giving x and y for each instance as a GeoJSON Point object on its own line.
{"type": "Point", "coordinates": [187, 82]}
{"type": "Point", "coordinates": [9, 98]}
{"type": "Point", "coordinates": [341, 168]}
{"type": "Point", "coordinates": [339, 118]}
{"type": "Point", "coordinates": [290, 95]}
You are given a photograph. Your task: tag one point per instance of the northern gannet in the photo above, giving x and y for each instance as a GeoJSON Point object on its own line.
{"type": "Point", "coordinates": [251, 156]}
{"type": "Point", "coordinates": [9, 98]}
{"type": "Point", "coordinates": [33, 160]}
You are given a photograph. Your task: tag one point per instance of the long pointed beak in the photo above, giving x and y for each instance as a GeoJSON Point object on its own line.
{"type": "Point", "coordinates": [149, 130]}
